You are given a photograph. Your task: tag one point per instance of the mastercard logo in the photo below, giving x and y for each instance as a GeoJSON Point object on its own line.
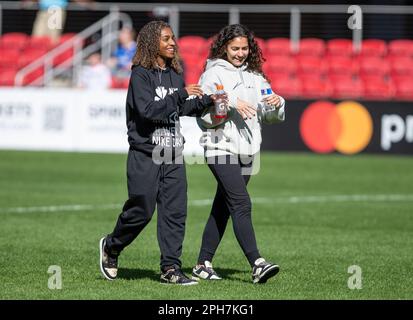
{"type": "Point", "coordinates": [326, 127]}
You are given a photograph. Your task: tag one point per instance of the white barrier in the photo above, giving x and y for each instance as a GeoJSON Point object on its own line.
{"type": "Point", "coordinates": [72, 120]}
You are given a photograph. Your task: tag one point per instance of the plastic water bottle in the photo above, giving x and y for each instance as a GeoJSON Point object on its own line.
{"type": "Point", "coordinates": [265, 93]}
{"type": "Point", "coordinates": [220, 102]}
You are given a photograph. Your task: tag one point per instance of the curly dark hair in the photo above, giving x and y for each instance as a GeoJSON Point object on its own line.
{"type": "Point", "coordinates": [147, 47]}
{"type": "Point", "coordinates": [255, 58]}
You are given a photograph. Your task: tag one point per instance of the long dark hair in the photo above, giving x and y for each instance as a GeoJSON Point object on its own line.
{"type": "Point", "coordinates": [255, 58]}
{"type": "Point", "coordinates": [147, 47]}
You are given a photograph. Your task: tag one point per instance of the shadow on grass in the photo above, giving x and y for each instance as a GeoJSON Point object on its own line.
{"type": "Point", "coordinates": [232, 274]}
{"type": "Point", "coordinates": [226, 274]}
{"type": "Point", "coordinates": [136, 274]}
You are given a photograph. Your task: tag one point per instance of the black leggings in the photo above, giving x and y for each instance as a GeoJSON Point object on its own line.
{"type": "Point", "coordinates": [231, 199]}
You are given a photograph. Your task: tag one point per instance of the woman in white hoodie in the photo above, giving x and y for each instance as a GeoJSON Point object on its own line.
{"type": "Point", "coordinates": [231, 143]}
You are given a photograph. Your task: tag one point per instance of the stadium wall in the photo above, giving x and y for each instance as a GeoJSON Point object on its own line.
{"type": "Point", "coordinates": [93, 121]}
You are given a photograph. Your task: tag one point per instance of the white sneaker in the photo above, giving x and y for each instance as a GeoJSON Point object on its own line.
{"type": "Point", "coordinates": [263, 270]}
{"type": "Point", "coordinates": [205, 272]}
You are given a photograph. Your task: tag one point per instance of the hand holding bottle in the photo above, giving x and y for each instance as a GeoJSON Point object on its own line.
{"type": "Point", "coordinates": [273, 100]}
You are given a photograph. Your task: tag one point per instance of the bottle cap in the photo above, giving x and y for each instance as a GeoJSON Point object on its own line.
{"type": "Point", "coordinates": [220, 87]}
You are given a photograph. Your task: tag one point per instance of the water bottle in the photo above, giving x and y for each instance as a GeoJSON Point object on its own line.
{"type": "Point", "coordinates": [220, 102]}
{"type": "Point", "coordinates": [265, 93]}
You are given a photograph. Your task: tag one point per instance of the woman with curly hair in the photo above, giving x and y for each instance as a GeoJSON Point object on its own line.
{"type": "Point", "coordinates": [156, 98]}
{"type": "Point", "coordinates": [231, 144]}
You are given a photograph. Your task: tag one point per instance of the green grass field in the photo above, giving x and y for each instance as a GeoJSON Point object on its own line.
{"type": "Point", "coordinates": [314, 215]}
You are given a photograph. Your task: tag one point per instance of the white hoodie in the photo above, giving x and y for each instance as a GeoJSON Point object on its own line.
{"type": "Point", "coordinates": [234, 136]}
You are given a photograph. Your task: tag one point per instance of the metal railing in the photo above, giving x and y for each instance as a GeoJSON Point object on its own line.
{"type": "Point", "coordinates": [109, 26]}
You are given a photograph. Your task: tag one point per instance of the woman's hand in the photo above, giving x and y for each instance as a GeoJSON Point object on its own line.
{"type": "Point", "coordinates": [194, 89]}
{"type": "Point", "coordinates": [223, 96]}
{"type": "Point", "coordinates": [245, 109]}
{"type": "Point", "coordinates": [273, 100]}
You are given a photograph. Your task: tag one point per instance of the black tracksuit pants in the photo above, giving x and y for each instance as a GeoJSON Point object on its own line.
{"type": "Point", "coordinates": [231, 199]}
{"type": "Point", "coordinates": [151, 184]}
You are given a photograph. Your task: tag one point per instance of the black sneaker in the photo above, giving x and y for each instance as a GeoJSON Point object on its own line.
{"type": "Point", "coordinates": [108, 264]}
{"type": "Point", "coordinates": [205, 272]}
{"type": "Point", "coordinates": [263, 270]}
{"type": "Point", "coordinates": [176, 276]}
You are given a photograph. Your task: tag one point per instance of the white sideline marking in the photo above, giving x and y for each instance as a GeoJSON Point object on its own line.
{"type": "Point", "coordinates": [58, 208]}
{"type": "Point", "coordinates": [208, 202]}
{"type": "Point", "coordinates": [321, 199]}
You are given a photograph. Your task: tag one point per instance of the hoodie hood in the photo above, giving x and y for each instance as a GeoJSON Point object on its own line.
{"type": "Point", "coordinates": [224, 64]}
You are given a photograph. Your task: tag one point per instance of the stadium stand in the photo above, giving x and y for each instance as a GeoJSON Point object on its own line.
{"type": "Point", "coordinates": [330, 69]}
{"type": "Point", "coordinates": [312, 47]}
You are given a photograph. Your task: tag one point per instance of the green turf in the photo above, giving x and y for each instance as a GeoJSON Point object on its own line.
{"type": "Point", "coordinates": [314, 242]}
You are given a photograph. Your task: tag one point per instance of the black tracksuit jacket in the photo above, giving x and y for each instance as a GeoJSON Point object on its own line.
{"type": "Point", "coordinates": [155, 101]}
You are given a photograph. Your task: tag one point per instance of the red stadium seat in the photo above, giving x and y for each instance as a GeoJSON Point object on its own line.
{"type": "Point", "coordinates": [43, 43]}
{"type": "Point", "coordinates": [373, 47]}
{"type": "Point", "coordinates": [281, 64]}
{"type": "Point", "coordinates": [345, 86]}
{"type": "Point", "coordinates": [340, 47]}
{"type": "Point", "coordinates": [8, 57]}
{"type": "Point", "coordinates": [66, 36]}
{"type": "Point", "coordinates": [285, 86]}
{"type": "Point", "coordinates": [29, 56]}
{"type": "Point", "coordinates": [65, 56]}
{"type": "Point", "coordinates": [119, 83]}
{"type": "Point", "coordinates": [192, 64]}
{"type": "Point", "coordinates": [404, 87]}
{"type": "Point", "coordinates": [342, 65]}
{"type": "Point", "coordinates": [278, 74]}
{"type": "Point", "coordinates": [311, 64]}
{"type": "Point", "coordinates": [374, 66]}
{"type": "Point", "coordinates": [377, 88]}
{"type": "Point", "coordinates": [401, 47]}
{"type": "Point", "coordinates": [14, 40]}
{"type": "Point", "coordinates": [191, 44]}
{"type": "Point", "coordinates": [192, 76]}
{"type": "Point", "coordinates": [33, 76]}
{"type": "Point", "coordinates": [68, 54]}
{"type": "Point", "coordinates": [314, 87]}
{"type": "Point", "coordinates": [316, 90]}
{"type": "Point", "coordinates": [312, 47]}
{"type": "Point", "coordinates": [277, 46]}
{"type": "Point", "coordinates": [401, 65]}
{"type": "Point", "coordinates": [7, 77]}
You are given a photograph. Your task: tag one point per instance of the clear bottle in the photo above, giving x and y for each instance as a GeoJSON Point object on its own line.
{"type": "Point", "coordinates": [265, 93]}
{"type": "Point", "coordinates": [220, 102]}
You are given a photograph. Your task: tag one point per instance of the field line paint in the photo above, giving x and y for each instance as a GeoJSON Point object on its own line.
{"type": "Point", "coordinates": [59, 208]}
{"type": "Point", "coordinates": [208, 202]}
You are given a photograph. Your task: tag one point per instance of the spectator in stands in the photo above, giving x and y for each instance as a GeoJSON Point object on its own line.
{"type": "Point", "coordinates": [157, 97]}
{"type": "Point", "coordinates": [51, 17]}
{"type": "Point", "coordinates": [121, 60]}
{"type": "Point", "coordinates": [232, 144]}
{"type": "Point", "coordinates": [95, 75]}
